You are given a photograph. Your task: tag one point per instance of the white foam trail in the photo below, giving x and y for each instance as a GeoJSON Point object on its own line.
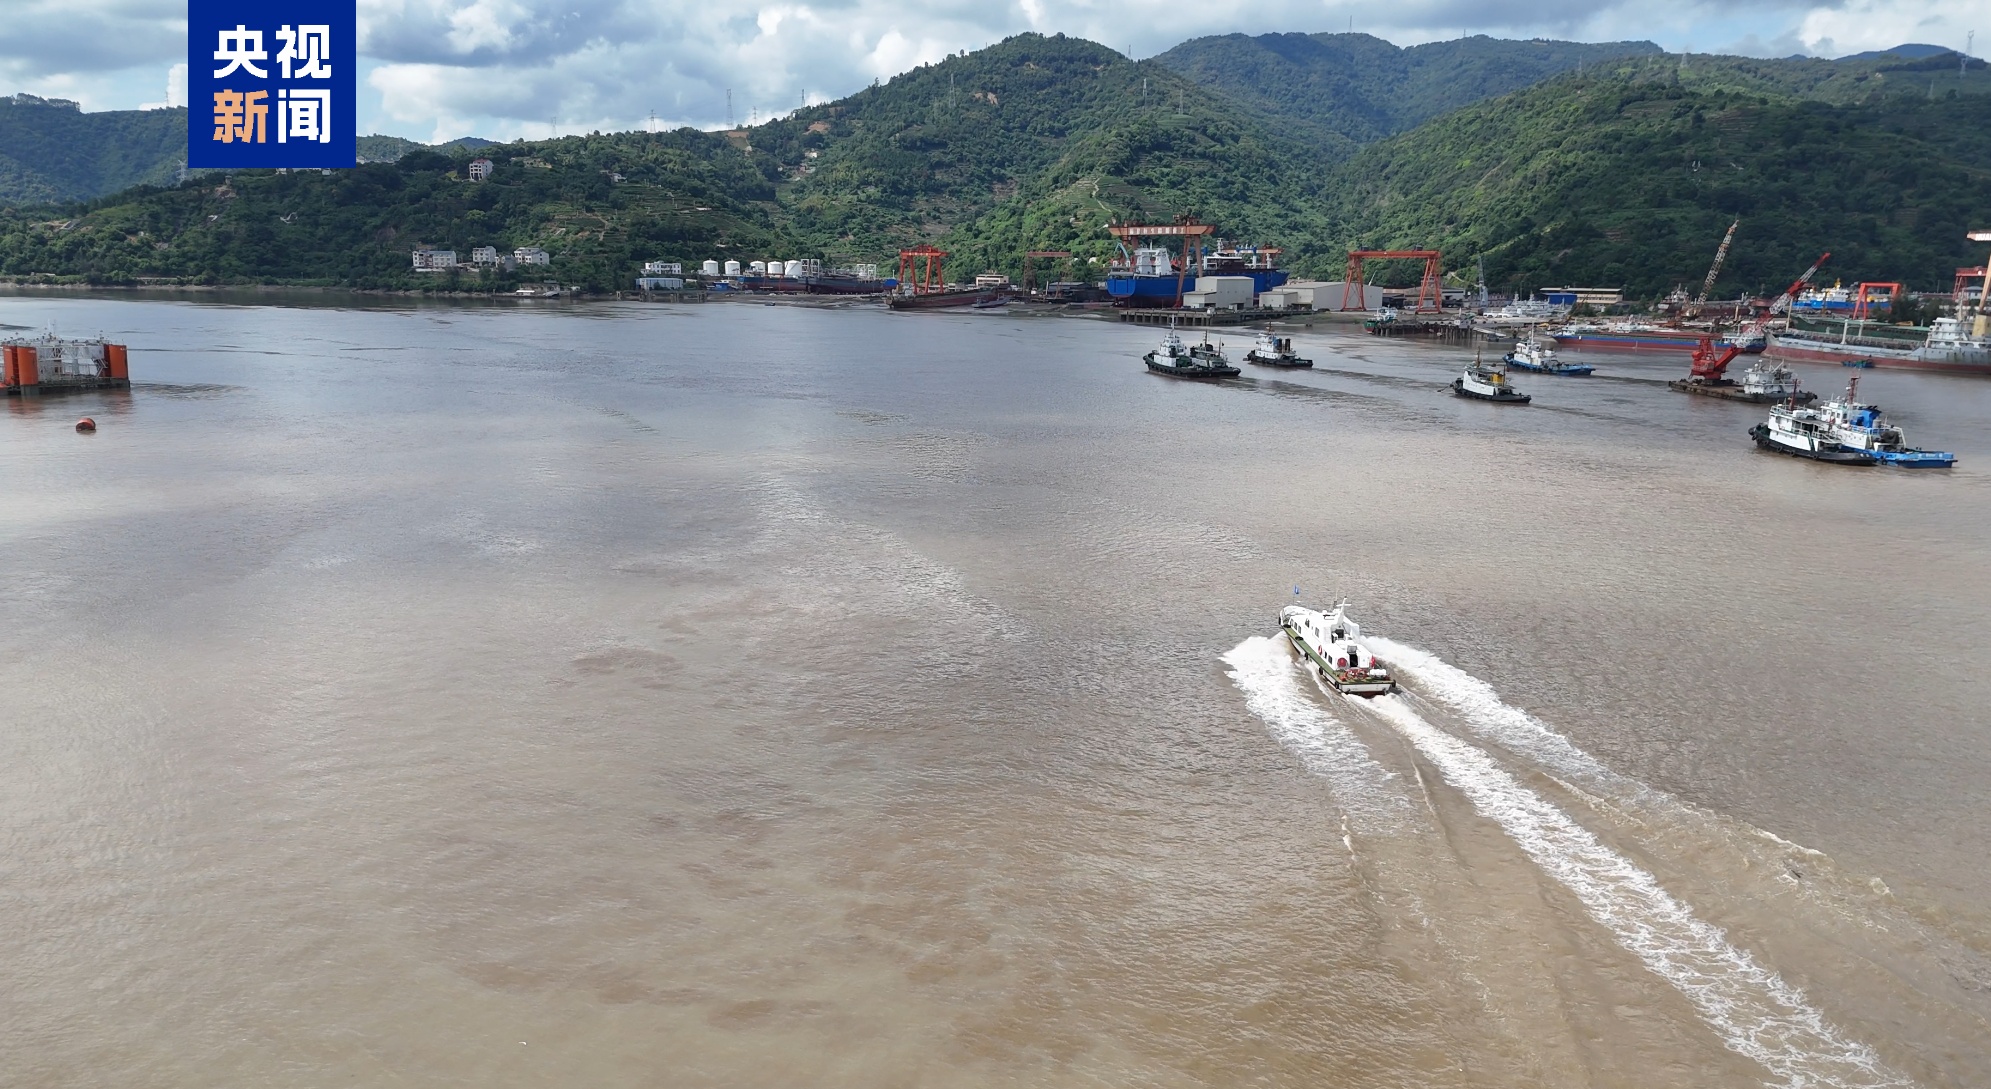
{"type": "Point", "coordinates": [1754, 1010]}
{"type": "Point", "coordinates": [1265, 671]}
{"type": "Point", "coordinates": [1508, 726]}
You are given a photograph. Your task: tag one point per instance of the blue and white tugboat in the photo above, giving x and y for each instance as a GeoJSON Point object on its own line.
{"type": "Point", "coordinates": [1532, 355]}
{"type": "Point", "coordinates": [1488, 382]}
{"type": "Point", "coordinates": [1861, 427]}
{"type": "Point", "coordinates": [1332, 644]}
{"type": "Point", "coordinates": [1204, 360]}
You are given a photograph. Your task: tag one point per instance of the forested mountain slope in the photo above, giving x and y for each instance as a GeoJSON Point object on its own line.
{"type": "Point", "coordinates": [682, 192]}
{"type": "Point", "coordinates": [1349, 89]}
{"type": "Point", "coordinates": [50, 151]}
{"type": "Point", "coordinates": [1031, 143]}
{"type": "Point", "coordinates": [1623, 181]}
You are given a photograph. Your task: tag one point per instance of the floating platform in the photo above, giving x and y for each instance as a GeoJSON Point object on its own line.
{"type": "Point", "coordinates": [49, 364]}
{"type": "Point", "coordinates": [1731, 391]}
{"type": "Point", "coordinates": [1450, 332]}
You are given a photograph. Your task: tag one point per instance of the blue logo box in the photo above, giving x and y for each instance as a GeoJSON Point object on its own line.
{"type": "Point", "coordinates": [271, 84]}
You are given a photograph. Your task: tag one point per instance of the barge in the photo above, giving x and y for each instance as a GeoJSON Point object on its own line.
{"type": "Point", "coordinates": [50, 364]}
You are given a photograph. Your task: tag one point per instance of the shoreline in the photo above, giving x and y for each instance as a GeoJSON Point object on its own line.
{"type": "Point", "coordinates": [1031, 308]}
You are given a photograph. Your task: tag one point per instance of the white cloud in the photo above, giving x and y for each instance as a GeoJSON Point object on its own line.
{"type": "Point", "coordinates": [176, 89]}
{"type": "Point", "coordinates": [504, 68]}
{"type": "Point", "coordinates": [1861, 25]}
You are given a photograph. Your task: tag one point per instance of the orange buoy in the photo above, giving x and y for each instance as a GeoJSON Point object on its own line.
{"type": "Point", "coordinates": [86, 424]}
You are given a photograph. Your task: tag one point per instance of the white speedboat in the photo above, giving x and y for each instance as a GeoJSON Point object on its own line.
{"type": "Point", "coordinates": [1275, 351]}
{"type": "Point", "coordinates": [1332, 643]}
{"type": "Point", "coordinates": [1805, 432]}
{"type": "Point", "coordinates": [1863, 428]}
{"type": "Point", "coordinates": [1484, 381]}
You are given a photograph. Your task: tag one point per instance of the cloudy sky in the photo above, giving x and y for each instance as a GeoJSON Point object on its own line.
{"type": "Point", "coordinates": [438, 69]}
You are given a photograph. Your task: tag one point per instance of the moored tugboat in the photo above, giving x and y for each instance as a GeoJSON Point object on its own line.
{"type": "Point", "coordinates": [1202, 361]}
{"type": "Point", "coordinates": [1488, 382]}
{"type": "Point", "coordinates": [1331, 643]}
{"type": "Point", "coordinates": [1275, 351]}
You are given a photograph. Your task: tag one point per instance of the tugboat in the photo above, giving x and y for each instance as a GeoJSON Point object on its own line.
{"type": "Point", "coordinates": [1862, 428]}
{"type": "Point", "coordinates": [1488, 382]}
{"type": "Point", "coordinates": [1274, 351]}
{"type": "Point", "coordinates": [1332, 643]}
{"type": "Point", "coordinates": [1531, 355]}
{"type": "Point", "coordinates": [1202, 361]}
{"type": "Point", "coordinates": [1211, 354]}
{"type": "Point", "coordinates": [1805, 432]}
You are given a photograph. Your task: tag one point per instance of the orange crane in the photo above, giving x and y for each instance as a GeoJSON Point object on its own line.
{"type": "Point", "coordinates": [1711, 367]}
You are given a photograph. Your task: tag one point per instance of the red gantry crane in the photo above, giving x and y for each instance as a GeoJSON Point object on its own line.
{"type": "Point", "coordinates": [1430, 295]}
{"type": "Point", "coordinates": [920, 269]}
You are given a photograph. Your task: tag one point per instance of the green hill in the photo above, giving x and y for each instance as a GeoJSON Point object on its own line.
{"type": "Point", "coordinates": [1347, 89]}
{"type": "Point", "coordinates": [1631, 181]}
{"type": "Point", "coordinates": [51, 151]}
{"type": "Point", "coordinates": [389, 149]}
{"type": "Point", "coordinates": [682, 194]}
{"type": "Point", "coordinates": [1033, 143]}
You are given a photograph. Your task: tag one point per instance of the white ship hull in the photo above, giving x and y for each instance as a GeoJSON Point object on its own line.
{"type": "Point", "coordinates": [1331, 643]}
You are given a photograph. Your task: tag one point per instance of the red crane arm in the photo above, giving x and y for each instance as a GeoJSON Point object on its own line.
{"type": "Point", "coordinates": [1709, 365]}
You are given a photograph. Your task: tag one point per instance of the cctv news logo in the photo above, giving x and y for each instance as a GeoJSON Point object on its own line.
{"type": "Point", "coordinates": [270, 85]}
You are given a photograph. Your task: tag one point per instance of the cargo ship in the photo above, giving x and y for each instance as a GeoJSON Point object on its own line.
{"type": "Point", "coordinates": [1836, 300]}
{"type": "Point", "coordinates": [941, 300]}
{"type": "Point", "coordinates": [1632, 336]}
{"type": "Point", "coordinates": [1152, 276]}
{"type": "Point", "coordinates": [848, 282]}
{"type": "Point", "coordinates": [1949, 347]}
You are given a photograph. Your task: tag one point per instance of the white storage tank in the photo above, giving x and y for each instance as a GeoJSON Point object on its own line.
{"type": "Point", "coordinates": [732, 268]}
{"type": "Point", "coordinates": [793, 270]}
{"type": "Point", "coordinates": [774, 268]}
{"type": "Point", "coordinates": [710, 268]}
{"type": "Point", "coordinates": [757, 268]}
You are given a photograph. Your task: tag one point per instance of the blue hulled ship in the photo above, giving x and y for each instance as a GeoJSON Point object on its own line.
{"type": "Point", "coordinates": [1153, 276]}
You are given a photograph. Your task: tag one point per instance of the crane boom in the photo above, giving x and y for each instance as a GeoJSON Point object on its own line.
{"type": "Point", "coordinates": [1784, 300]}
{"type": "Point", "coordinates": [1714, 270]}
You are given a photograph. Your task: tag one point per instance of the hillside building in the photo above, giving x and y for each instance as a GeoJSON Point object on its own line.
{"type": "Point", "coordinates": [484, 255]}
{"type": "Point", "coordinates": [531, 255]}
{"type": "Point", "coordinates": [427, 260]}
{"type": "Point", "coordinates": [480, 169]}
